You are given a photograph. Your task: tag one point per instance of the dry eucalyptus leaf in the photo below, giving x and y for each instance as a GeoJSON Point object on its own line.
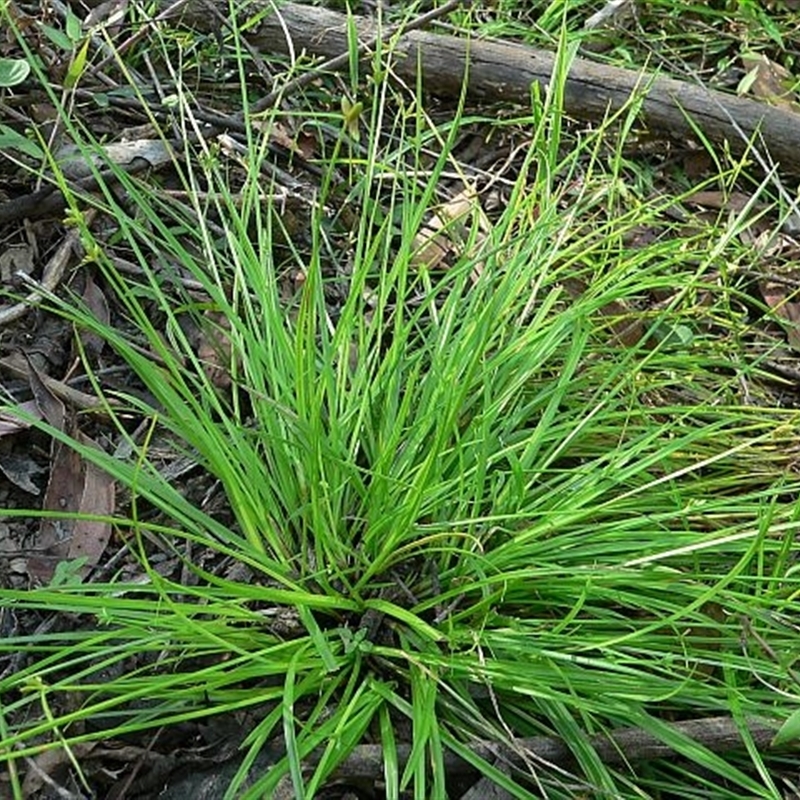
{"type": "Point", "coordinates": [215, 350]}
{"type": "Point", "coordinates": [95, 301]}
{"type": "Point", "coordinates": [15, 259]}
{"type": "Point", "coordinates": [76, 486]}
{"type": "Point", "coordinates": [443, 237]}
{"type": "Point", "coordinates": [90, 537]}
{"type": "Point", "coordinates": [786, 311]}
{"type": "Point", "coordinates": [63, 495]}
{"type": "Point", "coordinates": [50, 406]}
{"type": "Point", "coordinates": [19, 468]}
{"type": "Point", "coordinates": [279, 133]}
{"type": "Point", "coordinates": [11, 423]}
{"type": "Point", "coordinates": [43, 767]}
{"type": "Point", "coordinates": [625, 325]}
{"type": "Point", "coordinates": [768, 81]}
{"type": "Point", "coordinates": [734, 201]}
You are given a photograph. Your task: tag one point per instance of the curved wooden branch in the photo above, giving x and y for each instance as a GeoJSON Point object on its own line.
{"type": "Point", "coordinates": [717, 734]}
{"type": "Point", "coordinates": [506, 72]}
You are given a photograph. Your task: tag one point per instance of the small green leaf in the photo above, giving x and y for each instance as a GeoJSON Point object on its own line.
{"type": "Point", "coordinates": [355, 641]}
{"type": "Point", "coordinates": [747, 81]}
{"type": "Point", "coordinates": [674, 335]}
{"type": "Point", "coordinates": [74, 27]}
{"type": "Point", "coordinates": [13, 140]}
{"type": "Point", "coordinates": [789, 731]}
{"type": "Point", "coordinates": [351, 112]}
{"type": "Point", "coordinates": [68, 573]}
{"type": "Point", "coordinates": [13, 71]}
{"type": "Point", "coordinates": [77, 67]}
{"type": "Point", "coordinates": [58, 38]}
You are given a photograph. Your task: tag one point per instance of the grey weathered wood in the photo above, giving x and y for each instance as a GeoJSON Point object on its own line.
{"type": "Point", "coordinates": [505, 72]}
{"type": "Point", "coordinates": [717, 734]}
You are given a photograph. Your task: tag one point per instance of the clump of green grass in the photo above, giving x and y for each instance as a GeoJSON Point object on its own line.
{"type": "Point", "coordinates": [466, 509]}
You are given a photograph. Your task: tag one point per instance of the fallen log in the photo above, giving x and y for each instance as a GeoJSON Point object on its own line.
{"type": "Point", "coordinates": [623, 746]}
{"type": "Point", "coordinates": [499, 72]}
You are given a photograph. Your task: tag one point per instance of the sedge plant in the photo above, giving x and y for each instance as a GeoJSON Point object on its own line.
{"type": "Point", "coordinates": [461, 507]}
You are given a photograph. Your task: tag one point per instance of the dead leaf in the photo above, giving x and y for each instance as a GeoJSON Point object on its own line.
{"type": "Point", "coordinates": [50, 406]}
{"type": "Point", "coordinates": [626, 326]}
{"type": "Point", "coordinates": [108, 15]}
{"type": "Point", "coordinates": [280, 134]}
{"type": "Point", "coordinates": [96, 302]}
{"type": "Point", "coordinates": [697, 163]}
{"type": "Point", "coordinates": [91, 537]}
{"type": "Point", "coordinates": [11, 423]}
{"type": "Point", "coordinates": [16, 259]}
{"type": "Point", "coordinates": [76, 486]}
{"type": "Point", "coordinates": [734, 201]}
{"type": "Point", "coordinates": [786, 311]}
{"type": "Point", "coordinates": [63, 495]}
{"type": "Point", "coordinates": [443, 238]}
{"type": "Point", "coordinates": [19, 468]}
{"type": "Point", "coordinates": [49, 763]}
{"type": "Point", "coordinates": [306, 145]}
{"type": "Point", "coordinates": [768, 81]}
{"type": "Point", "coordinates": [18, 365]}
{"type": "Point", "coordinates": [215, 350]}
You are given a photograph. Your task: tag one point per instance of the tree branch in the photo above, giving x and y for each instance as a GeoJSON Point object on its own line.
{"type": "Point", "coordinates": [497, 72]}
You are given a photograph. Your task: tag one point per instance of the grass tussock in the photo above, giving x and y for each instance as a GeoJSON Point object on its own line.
{"type": "Point", "coordinates": [541, 489]}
